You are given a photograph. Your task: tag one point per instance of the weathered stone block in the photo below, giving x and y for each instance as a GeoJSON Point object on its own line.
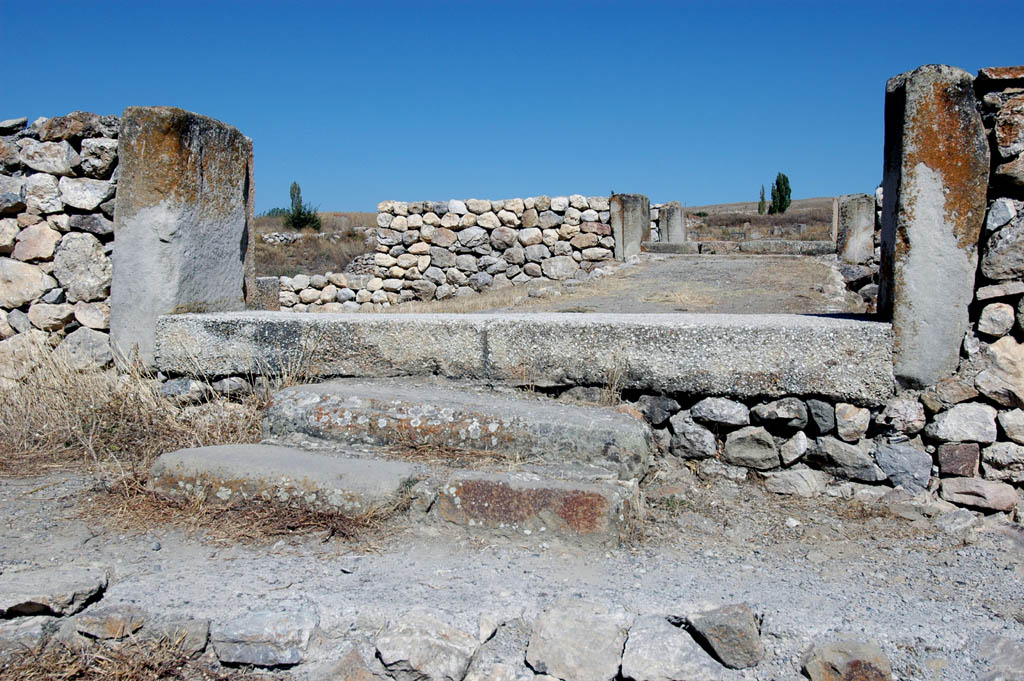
{"type": "Point", "coordinates": [935, 183]}
{"type": "Point", "coordinates": [630, 220]}
{"type": "Point", "coordinates": [856, 234]}
{"type": "Point", "coordinates": [673, 224]}
{"type": "Point", "coordinates": [183, 222]}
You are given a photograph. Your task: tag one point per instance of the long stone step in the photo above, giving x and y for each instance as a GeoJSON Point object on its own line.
{"type": "Point", "coordinates": [437, 414]}
{"type": "Point", "coordinates": [521, 502]}
{"type": "Point", "coordinates": [739, 356]}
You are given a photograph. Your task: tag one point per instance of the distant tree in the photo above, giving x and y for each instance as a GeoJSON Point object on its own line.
{"type": "Point", "coordinates": [780, 195]}
{"type": "Point", "coordinates": [301, 216]}
{"type": "Point", "coordinates": [761, 205]}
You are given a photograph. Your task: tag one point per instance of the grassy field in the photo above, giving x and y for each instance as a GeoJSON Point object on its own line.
{"type": "Point", "coordinates": [732, 221]}
{"type": "Point", "coordinates": [312, 255]}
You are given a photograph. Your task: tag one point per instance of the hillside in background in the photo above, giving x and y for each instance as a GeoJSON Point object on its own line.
{"type": "Point", "coordinates": [806, 219]}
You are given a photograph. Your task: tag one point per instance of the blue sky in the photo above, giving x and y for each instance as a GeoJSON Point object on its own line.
{"type": "Point", "coordinates": [700, 102]}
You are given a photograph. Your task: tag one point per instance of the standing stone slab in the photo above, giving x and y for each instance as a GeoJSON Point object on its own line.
{"type": "Point", "coordinates": [182, 222]}
{"type": "Point", "coordinates": [631, 223]}
{"type": "Point", "coordinates": [856, 231]}
{"type": "Point", "coordinates": [673, 225]}
{"type": "Point", "coordinates": [935, 181]}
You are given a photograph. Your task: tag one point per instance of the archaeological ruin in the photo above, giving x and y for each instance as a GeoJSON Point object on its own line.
{"type": "Point", "coordinates": [130, 239]}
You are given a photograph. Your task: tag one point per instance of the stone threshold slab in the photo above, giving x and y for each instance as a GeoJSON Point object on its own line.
{"type": "Point", "coordinates": [755, 247]}
{"type": "Point", "coordinates": [741, 356]}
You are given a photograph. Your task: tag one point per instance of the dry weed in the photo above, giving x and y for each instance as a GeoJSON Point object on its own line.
{"type": "Point", "coordinates": [58, 416]}
{"type": "Point", "coordinates": [131, 505]}
{"type": "Point", "coordinates": [135, 661]}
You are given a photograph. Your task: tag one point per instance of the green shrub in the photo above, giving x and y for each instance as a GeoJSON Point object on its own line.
{"type": "Point", "coordinates": [302, 216]}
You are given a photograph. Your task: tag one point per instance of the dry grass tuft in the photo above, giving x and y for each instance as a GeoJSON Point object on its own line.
{"type": "Point", "coordinates": [57, 417]}
{"type": "Point", "coordinates": [136, 661]}
{"type": "Point", "coordinates": [130, 505]}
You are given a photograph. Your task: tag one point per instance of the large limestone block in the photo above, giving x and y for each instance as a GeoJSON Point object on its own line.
{"type": "Point", "coordinates": [183, 222]}
{"type": "Point", "coordinates": [935, 182]}
{"type": "Point", "coordinates": [673, 224]}
{"type": "Point", "coordinates": [631, 223]}
{"type": "Point", "coordinates": [856, 235]}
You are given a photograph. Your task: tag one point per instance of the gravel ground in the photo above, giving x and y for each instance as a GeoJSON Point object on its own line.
{"type": "Point", "coordinates": [813, 569]}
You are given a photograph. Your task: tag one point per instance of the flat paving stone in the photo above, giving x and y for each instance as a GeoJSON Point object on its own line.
{"type": "Point", "coordinates": [60, 590]}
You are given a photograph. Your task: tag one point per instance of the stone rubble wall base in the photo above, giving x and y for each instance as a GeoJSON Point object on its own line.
{"type": "Point", "coordinates": [58, 182]}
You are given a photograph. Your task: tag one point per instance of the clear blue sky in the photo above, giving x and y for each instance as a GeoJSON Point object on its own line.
{"type": "Point", "coordinates": [700, 102]}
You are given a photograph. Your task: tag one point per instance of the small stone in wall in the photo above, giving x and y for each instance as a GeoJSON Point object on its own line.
{"type": "Point", "coordinates": [996, 319]}
{"type": "Point", "coordinates": [903, 414]}
{"type": "Point", "coordinates": [986, 495]}
{"type": "Point", "coordinates": [851, 421]}
{"type": "Point", "coordinates": [36, 242]}
{"type": "Point", "coordinates": [98, 157]}
{"type": "Point", "coordinates": [21, 283]}
{"type": "Point", "coordinates": [847, 461]}
{"type": "Point", "coordinates": [959, 459]}
{"type": "Point", "coordinates": [1004, 461]}
{"type": "Point", "coordinates": [8, 235]}
{"type": "Point", "coordinates": [721, 410]}
{"type": "Point", "coordinates": [94, 223]}
{"type": "Point", "coordinates": [793, 449]}
{"type": "Point", "coordinates": [788, 412]}
{"type": "Point", "coordinates": [1012, 423]}
{"type": "Point", "coordinates": [50, 317]}
{"type": "Point", "coordinates": [55, 158]}
{"type": "Point", "coordinates": [905, 466]}
{"type": "Point", "coordinates": [86, 349]}
{"type": "Point", "coordinates": [42, 193]}
{"type": "Point", "coordinates": [1003, 380]}
{"type": "Point", "coordinates": [84, 193]}
{"type": "Point", "coordinates": [967, 422]}
{"type": "Point", "coordinates": [801, 482]}
{"type": "Point", "coordinates": [751, 447]}
{"type": "Point", "coordinates": [691, 440]}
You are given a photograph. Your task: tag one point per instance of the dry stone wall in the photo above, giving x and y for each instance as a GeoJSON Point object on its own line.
{"type": "Point", "coordinates": [58, 180]}
{"type": "Point", "coordinates": [434, 250]}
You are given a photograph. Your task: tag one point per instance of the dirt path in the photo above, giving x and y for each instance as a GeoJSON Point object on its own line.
{"type": "Point", "coordinates": [740, 284]}
{"type": "Point", "coordinates": [814, 569]}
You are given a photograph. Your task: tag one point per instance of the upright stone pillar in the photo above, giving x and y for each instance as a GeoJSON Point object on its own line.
{"type": "Point", "coordinates": [182, 223]}
{"type": "Point", "coordinates": [855, 240]}
{"type": "Point", "coordinates": [936, 178]}
{"type": "Point", "coordinates": [631, 223]}
{"type": "Point", "coordinates": [673, 224]}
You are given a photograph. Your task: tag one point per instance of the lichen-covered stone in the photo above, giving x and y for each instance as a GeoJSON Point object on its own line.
{"type": "Point", "coordinates": [935, 184]}
{"type": "Point", "coordinates": [183, 224]}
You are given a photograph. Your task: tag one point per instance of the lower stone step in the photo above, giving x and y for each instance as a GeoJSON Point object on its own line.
{"type": "Point", "coordinates": [421, 414]}
{"type": "Point", "coordinates": [229, 473]}
{"type": "Point", "coordinates": [527, 503]}
{"type": "Point", "coordinates": [544, 501]}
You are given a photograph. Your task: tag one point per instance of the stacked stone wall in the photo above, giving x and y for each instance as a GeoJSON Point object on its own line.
{"type": "Point", "coordinates": [58, 180]}
{"type": "Point", "coordinates": [434, 250]}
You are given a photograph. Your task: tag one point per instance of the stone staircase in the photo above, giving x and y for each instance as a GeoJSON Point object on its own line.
{"type": "Point", "coordinates": [492, 460]}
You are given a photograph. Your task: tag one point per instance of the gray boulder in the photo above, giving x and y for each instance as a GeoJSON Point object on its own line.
{"type": "Point", "coordinates": [905, 465]}
{"type": "Point", "coordinates": [846, 461]}
{"type": "Point", "coordinates": [691, 440]}
{"type": "Point", "coordinates": [62, 590]}
{"type": "Point", "coordinates": [751, 447]}
{"type": "Point", "coordinates": [578, 641]}
{"type": "Point", "coordinates": [966, 422]}
{"type": "Point", "coordinates": [846, 660]}
{"type": "Point", "coordinates": [788, 412]}
{"type": "Point", "coordinates": [82, 267]}
{"type": "Point", "coordinates": [86, 349]}
{"type": "Point", "coordinates": [733, 633]}
{"type": "Point", "coordinates": [420, 648]}
{"type": "Point", "coordinates": [800, 482]}
{"type": "Point", "coordinates": [55, 158]}
{"type": "Point", "coordinates": [657, 650]}
{"type": "Point", "coordinates": [265, 639]}
{"type": "Point", "coordinates": [721, 410]}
